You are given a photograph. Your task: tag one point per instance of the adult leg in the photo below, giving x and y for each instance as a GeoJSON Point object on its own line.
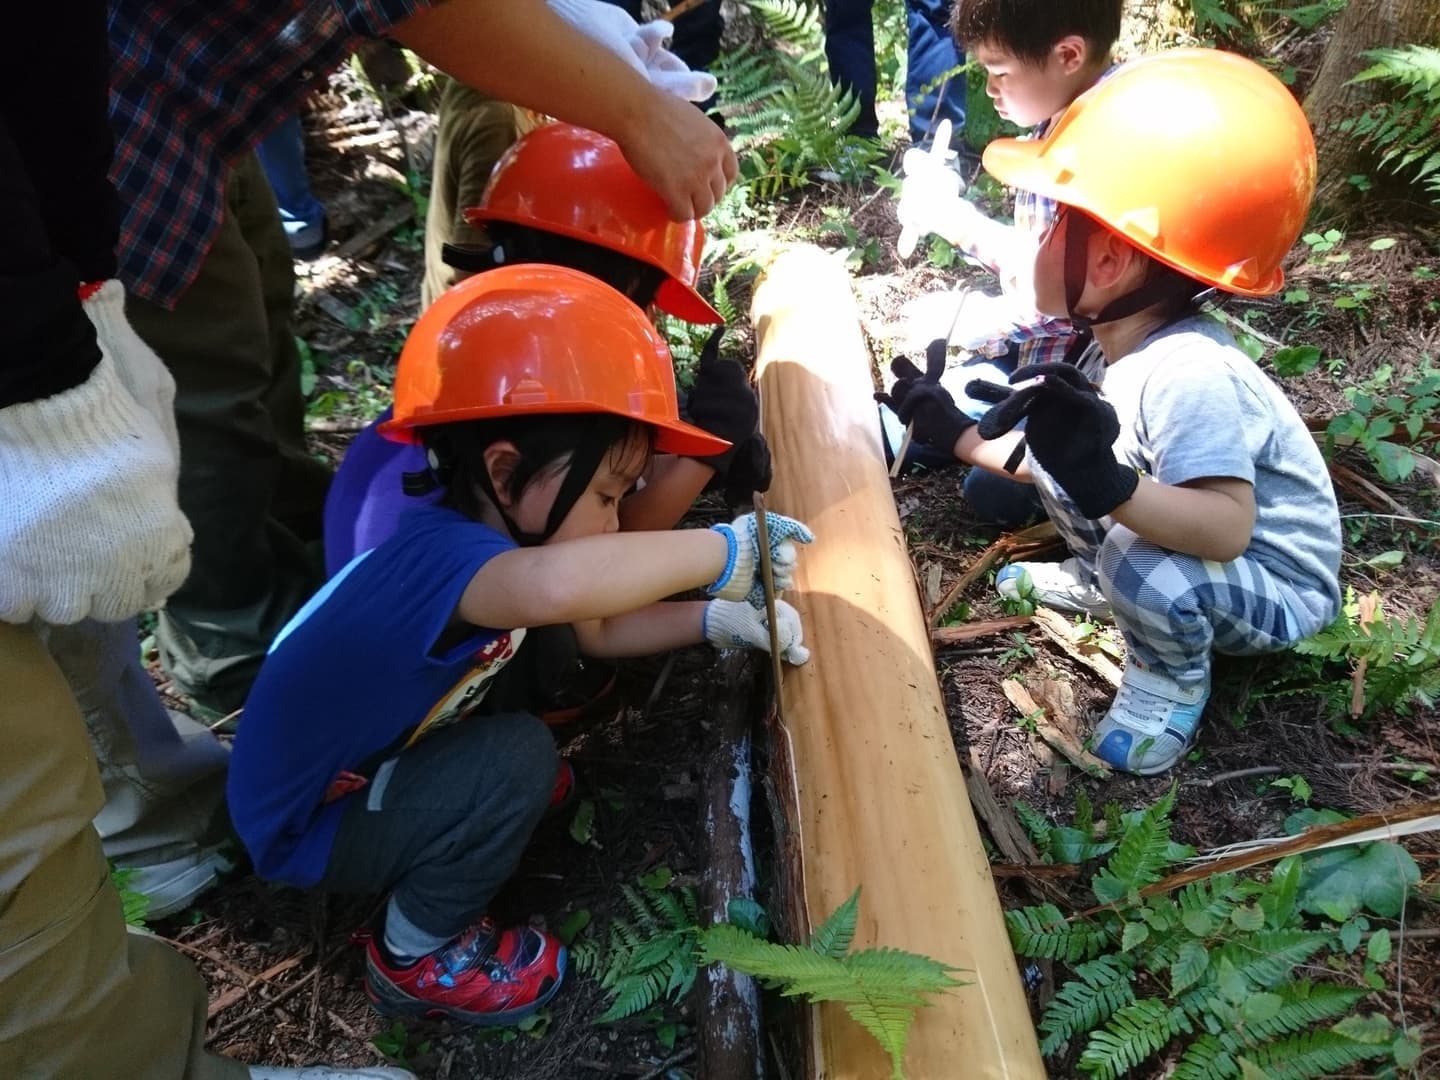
{"type": "Point", "coordinates": [78, 994]}
{"type": "Point", "coordinates": [934, 90]}
{"type": "Point", "coordinates": [850, 52]}
{"type": "Point", "coordinates": [162, 773]}
{"type": "Point", "coordinates": [252, 494]}
{"type": "Point", "coordinates": [282, 154]}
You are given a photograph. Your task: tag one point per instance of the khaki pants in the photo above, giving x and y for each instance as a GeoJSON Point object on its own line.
{"type": "Point", "coordinates": [79, 996]}
{"type": "Point", "coordinates": [253, 495]}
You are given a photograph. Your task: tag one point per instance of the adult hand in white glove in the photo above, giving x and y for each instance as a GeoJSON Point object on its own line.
{"type": "Point", "coordinates": [742, 577]}
{"type": "Point", "coordinates": [731, 625]}
{"type": "Point", "coordinates": [930, 200]}
{"type": "Point", "coordinates": [645, 48]}
{"type": "Point", "coordinates": [89, 522]}
{"type": "Point", "coordinates": [143, 373]}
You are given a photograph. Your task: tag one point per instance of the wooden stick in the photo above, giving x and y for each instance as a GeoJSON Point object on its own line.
{"type": "Point", "coordinates": [954, 635]}
{"type": "Point", "coordinates": [1031, 710]}
{"type": "Point", "coordinates": [238, 993]}
{"type": "Point", "coordinates": [1061, 631]}
{"type": "Point", "coordinates": [682, 8]}
{"type": "Point", "coordinates": [1026, 541]}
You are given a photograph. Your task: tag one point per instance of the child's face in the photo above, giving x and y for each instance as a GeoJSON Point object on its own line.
{"type": "Point", "coordinates": [598, 508]}
{"type": "Point", "coordinates": [1025, 93]}
{"type": "Point", "coordinates": [1050, 269]}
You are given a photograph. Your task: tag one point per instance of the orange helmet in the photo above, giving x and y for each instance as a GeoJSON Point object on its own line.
{"type": "Point", "coordinates": [532, 339]}
{"type": "Point", "coordinates": [1200, 158]}
{"type": "Point", "coordinates": [567, 180]}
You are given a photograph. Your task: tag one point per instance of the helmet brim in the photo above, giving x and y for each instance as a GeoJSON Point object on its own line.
{"type": "Point", "coordinates": [671, 436]}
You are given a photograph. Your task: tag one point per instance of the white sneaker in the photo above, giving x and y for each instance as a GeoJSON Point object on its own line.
{"type": "Point", "coordinates": [324, 1072]}
{"type": "Point", "coordinates": [1152, 723]}
{"type": "Point", "coordinates": [1055, 585]}
{"type": "Point", "coordinates": [175, 884]}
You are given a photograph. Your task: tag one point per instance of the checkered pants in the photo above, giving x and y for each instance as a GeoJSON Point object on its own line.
{"type": "Point", "coordinates": [1174, 609]}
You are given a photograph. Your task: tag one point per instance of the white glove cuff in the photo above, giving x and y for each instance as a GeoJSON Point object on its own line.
{"type": "Point", "coordinates": [87, 417]}
{"type": "Point", "coordinates": [738, 577]}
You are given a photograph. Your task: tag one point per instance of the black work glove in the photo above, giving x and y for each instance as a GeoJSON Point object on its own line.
{"type": "Point", "coordinates": [722, 402]}
{"type": "Point", "coordinates": [1071, 430]}
{"type": "Point", "coordinates": [749, 471]}
{"type": "Point", "coordinates": [923, 404]}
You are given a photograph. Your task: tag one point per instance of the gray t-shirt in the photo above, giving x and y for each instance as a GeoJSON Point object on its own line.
{"type": "Point", "coordinates": [1192, 405]}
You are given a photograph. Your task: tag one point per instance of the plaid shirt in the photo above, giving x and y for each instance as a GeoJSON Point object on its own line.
{"type": "Point", "coordinates": [195, 84]}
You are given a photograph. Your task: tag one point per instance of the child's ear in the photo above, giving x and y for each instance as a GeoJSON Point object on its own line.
{"type": "Point", "coordinates": [1114, 261]}
{"type": "Point", "coordinates": [501, 461]}
{"type": "Point", "coordinates": [1071, 52]}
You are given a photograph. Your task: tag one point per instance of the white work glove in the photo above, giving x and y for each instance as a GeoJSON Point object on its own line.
{"type": "Point", "coordinates": [742, 577]}
{"type": "Point", "coordinates": [89, 522]}
{"type": "Point", "coordinates": [930, 200]}
{"type": "Point", "coordinates": [967, 319]}
{"type": "Point", "coordinates": [731, 625]}
{"type": "Point", "coordinates": [645, 48]}
{"type": "Point", "coordinates": [143, 373]}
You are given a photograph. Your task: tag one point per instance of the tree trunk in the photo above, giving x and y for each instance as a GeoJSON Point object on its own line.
{"type": "Point", "coordinates": [1362, 25]}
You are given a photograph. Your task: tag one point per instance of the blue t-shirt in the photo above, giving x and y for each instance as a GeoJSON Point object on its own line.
{"type": "Point", "coordinates": [356, 673]}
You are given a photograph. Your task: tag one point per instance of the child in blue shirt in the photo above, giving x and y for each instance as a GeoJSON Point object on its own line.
{"type": "Point", "coordinates": [1188, 489]}
{"type": "Point", "coordinates": [538, 395]}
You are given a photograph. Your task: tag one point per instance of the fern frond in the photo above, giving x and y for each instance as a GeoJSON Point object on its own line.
{"type": "Point", "coordinates": [1142, 854]}
{"type": "Point", "coordinates": [1205, 1059]}
{"type": "Point", "coordinates": [1100, 989]}
{"type": "Point", "coordinates": [1132, 1035]}
{"type": "Point", "coordinates": [834, 935]}
{"type": "Point", "coordinates": [1305, 1004]}
{"type": "Point", "coordinates": [890, 1026]}
{"type": "Point", "coordinates": [1043, 931]}
{"type": "Point", "coordinates": [1313, 1054]}
{"type": "Point", "coordinates": [1267, 957]}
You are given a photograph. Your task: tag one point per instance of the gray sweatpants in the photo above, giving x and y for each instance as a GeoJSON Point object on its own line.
{"type": "Point", "coordinates": [443, 823]}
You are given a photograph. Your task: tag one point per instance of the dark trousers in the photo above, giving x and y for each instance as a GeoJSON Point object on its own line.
{"type": "Point", "coordinates": [251, 491]}
{"type": "Point", "coordinates": [443, 824]}
{"type": "Point", "coordinates": [932, 52]}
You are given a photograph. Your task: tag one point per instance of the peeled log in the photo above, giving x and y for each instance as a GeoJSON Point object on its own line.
{"type": "Point", "coordinates": [880, 798]}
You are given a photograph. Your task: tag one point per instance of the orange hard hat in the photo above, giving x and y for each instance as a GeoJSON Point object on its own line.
{"type": "Point", "coordinates": [568, 180]}
{"type": "Point", "coordinates": [531, 339]}
{"type": "Point", "coordinates": [1200, 158]}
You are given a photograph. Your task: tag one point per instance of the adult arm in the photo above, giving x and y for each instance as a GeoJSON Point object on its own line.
{"type": "Point", "coordinates": [521, 51]}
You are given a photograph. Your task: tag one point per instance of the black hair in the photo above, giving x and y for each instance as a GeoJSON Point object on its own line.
{"type": "Point", "coordinates": [1031, 28]}
{"type": "Point", "coordinates": [544, 442]}
{"type": "Point", "coordinates": [523, 244]}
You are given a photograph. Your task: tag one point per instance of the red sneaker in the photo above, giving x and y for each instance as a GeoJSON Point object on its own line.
{"type": "Point", "coordinates": [564, 787]}
{"type": "Point", "coordinates": [486, 976]}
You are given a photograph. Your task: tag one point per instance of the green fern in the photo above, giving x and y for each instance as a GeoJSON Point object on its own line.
{"type": "Point", "coordinates": [1313, 1054]}
{"type": "Point", "coordinates": [1130, 1036]}
{"type": "Point", "coordinates": [1043, 932]}
{"type": "Point", "coordinates": [1405, 130]}
{"type": "Point", "coordinates": [835, 934]}
{"type": "Point", "coordinates": [135, 904]}
{"type": "Point", "coordinates": [648, 960]}
{"type": "Point", "coordinates": [1100, 988]}
{"type": "Point", "coordinates": [879, 988]}
{"type": "Point", "coordinates": [1402, 655]}
{"type": "Point", "coordinates": [1143, 853]}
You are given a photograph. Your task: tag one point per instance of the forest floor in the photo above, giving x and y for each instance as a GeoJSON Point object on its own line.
{"type": "Point", "coordinates": [283, 971]}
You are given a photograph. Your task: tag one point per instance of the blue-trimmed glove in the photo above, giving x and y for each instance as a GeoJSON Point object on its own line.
{"type": "Point", "coordinates": [732, 625]}
{"type": "Point", "coordinates": [741, 578]}
{"type": "Point", "coordinates": [1071, 431]}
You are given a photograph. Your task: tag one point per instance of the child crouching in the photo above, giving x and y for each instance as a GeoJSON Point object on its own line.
{"type": "Point", "coordinates": [364, 762]}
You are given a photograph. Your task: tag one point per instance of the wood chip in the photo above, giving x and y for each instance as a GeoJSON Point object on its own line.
{"type": "Point", "coordinates": [1047, 729]}
{"type": "Point", "coordinates": [1064, 633]}
{"type": "Point", "coordinates": [238, 993]}
{"type": "Point", "coordinates": [933, 572]}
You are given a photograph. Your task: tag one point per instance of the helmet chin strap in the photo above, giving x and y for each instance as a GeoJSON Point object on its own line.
{"type": "Point", "coordinates": [1079, 228]}
{"type": "Point", "coordinates": [584, 462]}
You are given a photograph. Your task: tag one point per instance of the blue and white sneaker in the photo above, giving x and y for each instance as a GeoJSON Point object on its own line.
{"type": "Point", "coordinates": [1063, 586]}
{"type": "Point", "coordinates": [1152, 722]}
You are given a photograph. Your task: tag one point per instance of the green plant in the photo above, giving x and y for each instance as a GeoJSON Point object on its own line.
{"type": "Point", "coordinates": [135, 904]}
{"type": "Point", "coordinates": [1380, 409]}
{"type": "Point", "coordinates": [1405, 129]}
{"type": "Point", "coordinates": [1210, 973]}
{"type": "Point", "coordinates": [786, 118]}
{"type": "Point", "coordinates": [1323, 243]}
{"type": "Point", "coordinates": [1401, 655]}
{"type": "Point", "coordinates": [880, 988]}
{"type": "Point", "coordinates": [394, 1043]}
{"type": "Point", "coordinates": [647, 958]}
{"type": "Point", "coordinates": [1019, 649]}
{"type": "Point", "coordinates": [1023, 602]}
